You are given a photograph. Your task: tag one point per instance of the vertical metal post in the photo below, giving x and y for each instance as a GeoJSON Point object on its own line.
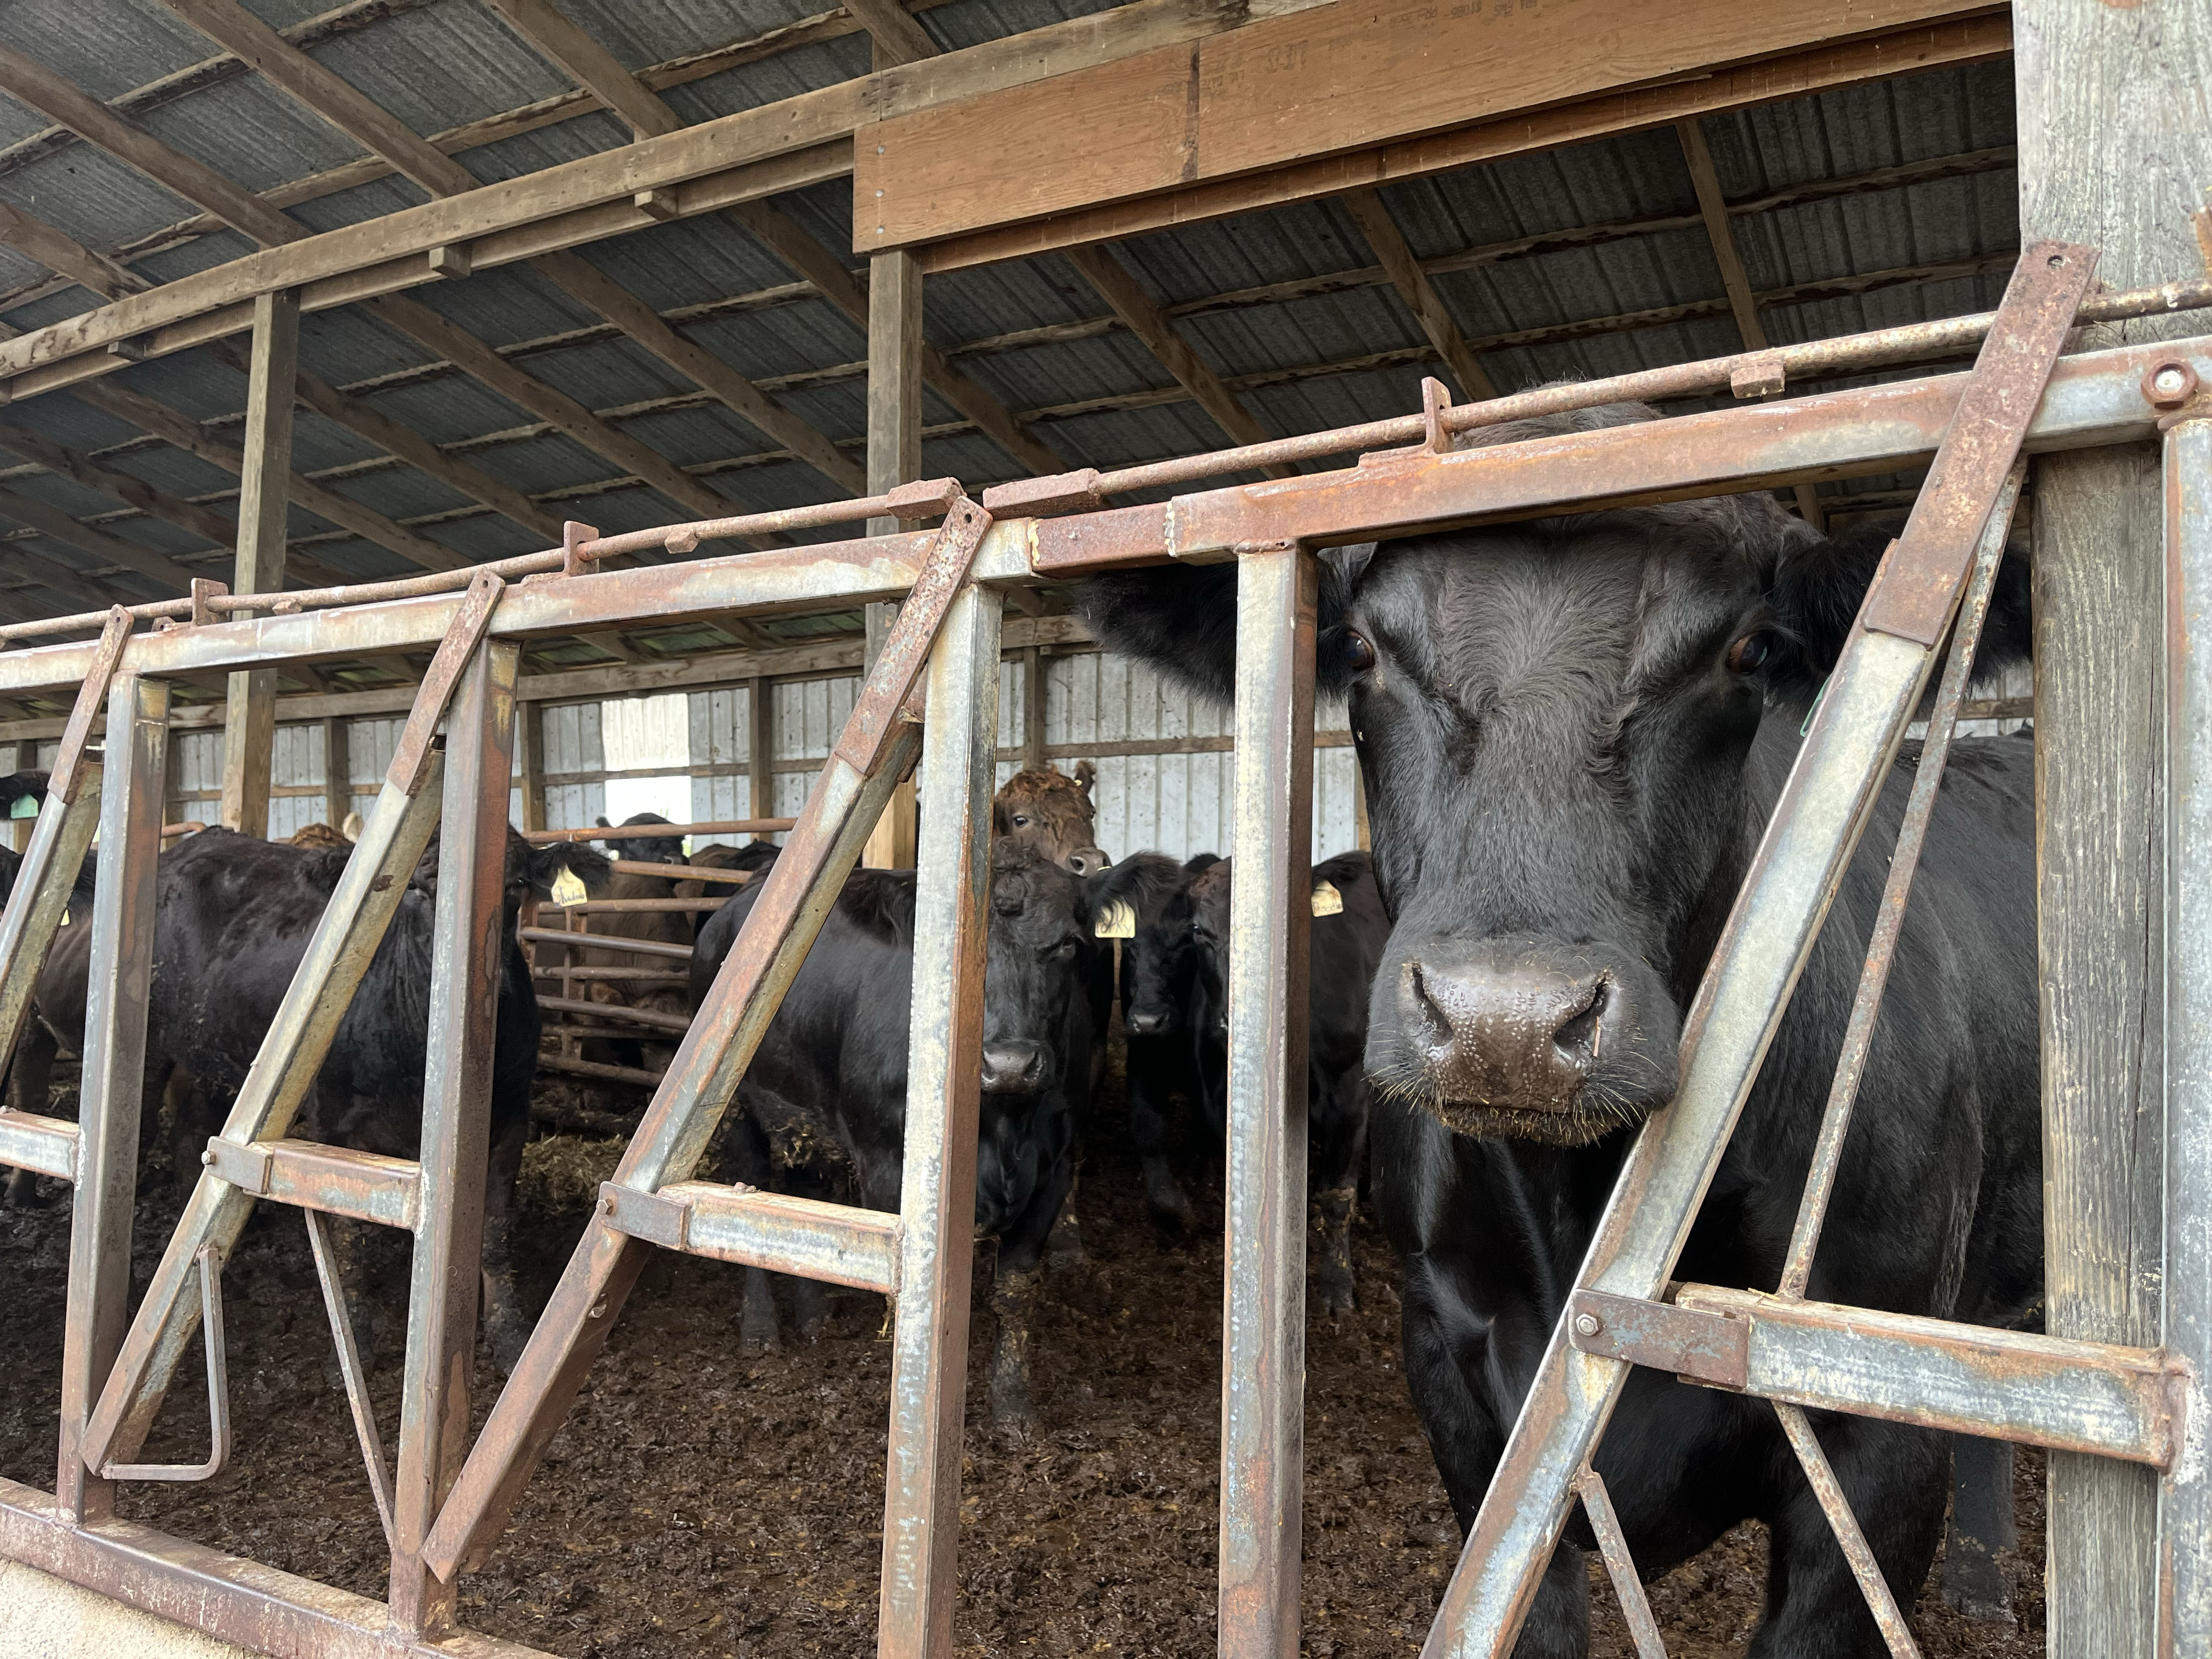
{"type": "Point", "coordinates": [1263, 1312]}
{"type": "Point", "coordinates": [249, 726]}
{"type": "Point", "coordinates": [937, 1198]}
{"type": "Point", "coordinates": [121, 924]}
{"type": "Point", "coordinates": [466, 961]}
{"type": "Point", "coordinates": [2185, 1512]}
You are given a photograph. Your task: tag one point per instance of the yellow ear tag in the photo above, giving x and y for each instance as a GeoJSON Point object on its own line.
{"type": "Point", "coordinates": [569, 888]}
{"type": "Point", "coordinates": [1117, 921]}
{"type": "Point", "coordinates": [1326, 901]}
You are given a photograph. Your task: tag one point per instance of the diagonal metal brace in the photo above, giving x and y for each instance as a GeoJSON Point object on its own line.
{"type": "Point", "coordinates": [1809, 844]}
{"type": "Point", "coordinates": [876, 748]}
{"type": "Point", "coordinates": [345, 942]}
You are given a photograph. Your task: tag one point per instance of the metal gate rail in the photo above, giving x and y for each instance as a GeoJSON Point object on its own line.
{"type": "Point", "coordinates": [445, 1514]}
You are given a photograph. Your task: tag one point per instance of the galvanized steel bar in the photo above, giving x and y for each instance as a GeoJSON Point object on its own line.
{"type": "Point", "coordinates": [467, 964]}
{"type": "Point", "coordinates": [1836, 1504]}
{"type": "Point", "coordinates": [2184, 1510]}
{"type": "Point", "coordinates": [356, 1384]}
{"type": "Point", "coordinates": [875, 749]}
{"type": "Point", "coordinates": [1830, 793]}
{"type": "Point", "coordinates": [108, 1096]}
{"type": "Point", "coordinates": [836, 1244]}
{"type": "Point", "coordinates": [1897, 889]}
{"type": "Point", "coordinates": [937, 1193]}
{"type": "Point", "coordinates": [210, 1262]}
{"type": "Point", "coordinates": [1271, 918]}
{"type": "Point", "coordinates": [2093, 1397]}
{"type": "Point", "coordinates": [335, 1180]}
{"type": "Point", "coordinates": [43, 1146]}
{"type": "Point", "coordinates": [1619, 1565]}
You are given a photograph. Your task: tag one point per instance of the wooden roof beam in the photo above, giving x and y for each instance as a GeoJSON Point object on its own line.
{"type": "Point", "coordinates": [186, 434]}
{"type": "Point", "coordinates": [1742, 301]}
{"type": "Point", "coordinates": [1373, 218]}
{"type": "Point", "coordinates": [898, 39]}
{"type": "Point", "coordinates": [50, 521]}
{"type": "Point", "coordinates": [1148, 323]}
{"type": "Point", "coordinates": [377, 130]}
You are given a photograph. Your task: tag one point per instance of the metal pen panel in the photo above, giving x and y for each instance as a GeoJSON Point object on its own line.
{"type": "Point", "coordinates": [106, 1188]}
{"type": "Point", "coordinates": [937, 1193]}
{"type": "Point", "coordinates": [2185, 1509]}
{"type": "Point", "coordinates": [1263, 1300]}
{"type": "Point", "coordinates": [467, 964]}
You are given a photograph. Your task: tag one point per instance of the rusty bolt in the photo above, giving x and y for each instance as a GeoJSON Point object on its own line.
{"type": "Point", "coordinates": [1587, 1324]}
{"type": "Point", "coordinates": [600, 1309]}
{"type": "Point", "coordinates": [2169, 385]}
{"type": "Point", "coordinates": [607, 1203]}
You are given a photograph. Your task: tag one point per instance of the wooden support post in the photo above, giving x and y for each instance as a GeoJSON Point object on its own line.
{"type": "Point", "coordinates": [894, 458]}
{"type": "Point", "coordinates": [759, 747]}
{"type": "Point", "coordinates": [1033, 709]}
{"type": "Point", "coordinates": [337, 773]}
{"type": "Point", "coordinates": [249, 730]}
{"type": "Point", "coordinates": [2113, 152]}
{"type": "Point", "coordinates": [530, 764]}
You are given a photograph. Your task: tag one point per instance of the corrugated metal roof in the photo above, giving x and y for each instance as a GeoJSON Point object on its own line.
{"type": "Point", "coordinates": [1337, 345]}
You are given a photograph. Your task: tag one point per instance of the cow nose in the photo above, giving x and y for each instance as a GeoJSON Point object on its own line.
{"type": "Point", "coordinates": [1149, 1022]}
{"type": "Point", "coordinates": [1520, 1036]}
{"type": "Point", "coordinates": [1013, 1068]}
{"type": "Point", "coordinates": [1088, 860]}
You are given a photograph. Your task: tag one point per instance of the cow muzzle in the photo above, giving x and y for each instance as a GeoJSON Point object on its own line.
{"type": "Point", "coordinates": [1088, 860]}
{"type": "Point", "coordinates": [1014, 1068]}
{"type": "Point", "coordinates": [1147, 1022]}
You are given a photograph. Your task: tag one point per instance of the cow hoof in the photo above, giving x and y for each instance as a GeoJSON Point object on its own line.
{"type": "Point", "coordinates": [1013, 1411]}
{"type": "Point", "coordinates": [1334, 1295]}
{"type": "Point", "coordinates": [756, 1330]}
{"type": "Point", "coordinates": [1063, 1249]}
{"type": "Point", "coordinates": [1172, 1216]}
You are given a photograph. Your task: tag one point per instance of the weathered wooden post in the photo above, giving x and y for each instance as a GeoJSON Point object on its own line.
{"type": "Point", "coordinates": [2115, 150]}
{"type": "Point", "coordinates": [894, 458]}
{"type": "Point", "coordinates": [249, 726]}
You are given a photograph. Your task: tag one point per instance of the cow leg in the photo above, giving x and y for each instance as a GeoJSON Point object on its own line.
{"type": "Point", "coordinates": [1014, 1297]}
{"type": "Point", "coordinates": [1064, 1248]}
{"type": "Point", "coordinates": [1165, 1201]}
{"type": "Point", "coordinates": [1444, 1355]}
{"type": "Point", "coordinates": [1982, 1527]}
{"type": "Point", "coordinates": [1897, 1480]}
{"type": "Point", "coordinates": [1340, 1144]}
{"type": "Point", "coordinates": [507, 1327]}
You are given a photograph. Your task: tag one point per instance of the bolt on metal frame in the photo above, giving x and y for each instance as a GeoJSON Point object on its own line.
{"type": "Point", "coordinates": [444, 1511]}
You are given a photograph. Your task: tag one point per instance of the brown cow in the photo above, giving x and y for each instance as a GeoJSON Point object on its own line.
{"type": "Point", "coordinates": [318, 838]}
{"type": "Point", "coordinates": [1052, 812]}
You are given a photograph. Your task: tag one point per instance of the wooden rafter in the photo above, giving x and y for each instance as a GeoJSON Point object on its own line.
{"type": "Point", "coordinates": [1145, 319]}
{"type": "Point", "coordinates": [1373, 218]}
{"type": "Point", "coordinates": [376, 130]}
{"type": "Point", "coordinates": [897, 38]}
{"type": "Point", "coordinates": [50, 521]}
{"type": "Point", "coordinates": [186, 434]}
{"type": "Point", "coordinates": [1743, 302]}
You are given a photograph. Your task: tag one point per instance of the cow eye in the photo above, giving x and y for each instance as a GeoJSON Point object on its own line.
{"type": "Point", "coordinates": [1063, 951]}
{"type": "Point", "coordinates": [1749, 654]}
{"type": "Point", "coordinates": [1358, 652]}
{"type": "Point", "coordinates": [1021, 821]}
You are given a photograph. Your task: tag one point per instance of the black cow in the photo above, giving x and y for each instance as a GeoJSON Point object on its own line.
{"type": "Point", "coordinates": [828, 1085]}
{"type": "Point", "coordinates": [1572, 732]}
{"type": "Point", "coordinates": [233, 916]}
{"type": "Point", "coordinates": [1346, 943]}
{"type": "Point", "coordinates": [1161, 1031]}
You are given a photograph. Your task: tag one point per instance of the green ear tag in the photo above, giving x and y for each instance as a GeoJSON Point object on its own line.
{"type": "Point", "coordinates": [23, 807]}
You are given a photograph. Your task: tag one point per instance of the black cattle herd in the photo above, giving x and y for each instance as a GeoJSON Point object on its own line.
{"type": "Point", "coordinates": [1570, 733]}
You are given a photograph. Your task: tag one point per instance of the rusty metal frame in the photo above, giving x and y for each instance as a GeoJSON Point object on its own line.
{"type": "Point", "coordinates": [1921, 1369]}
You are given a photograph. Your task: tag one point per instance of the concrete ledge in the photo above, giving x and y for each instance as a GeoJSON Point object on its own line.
{"type": "Point", "coordinates": [43, 1617]}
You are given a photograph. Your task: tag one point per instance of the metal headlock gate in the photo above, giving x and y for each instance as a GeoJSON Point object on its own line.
{"type": "Point", "coordinates": [445, 1502]}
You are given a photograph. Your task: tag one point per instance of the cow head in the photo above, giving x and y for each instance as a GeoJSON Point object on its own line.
{"type": "Point", "coordinates": [644, 849]}
{"type": "Point", "coordinates": [1039, 933]}
{"type": "Point", "coordinates": [1159, 959]}
{"type": "Point", "coordinates": [531, 871]}
{"type": "Point", "coordinates": [1555, 721]}
{"type": "Point", "coordinates": [1045, 807]}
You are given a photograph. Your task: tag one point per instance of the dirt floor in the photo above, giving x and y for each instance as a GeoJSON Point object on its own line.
{"type": "Point", "coordinates": [703, 1500]}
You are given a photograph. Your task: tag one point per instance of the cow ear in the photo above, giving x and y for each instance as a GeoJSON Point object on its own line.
{"type": "Point", "coordinates": [1085, 775]}
{"type": "Point", "coordinates": [1819, 587]}
{"type": "Point", "coordinates": [1182, 620]}
{"type": "Point", "coordinates": [588, 866]}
